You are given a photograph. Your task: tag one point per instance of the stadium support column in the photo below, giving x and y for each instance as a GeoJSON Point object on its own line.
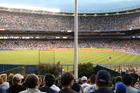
{"type": "Point", "coordinates": [76, 40]}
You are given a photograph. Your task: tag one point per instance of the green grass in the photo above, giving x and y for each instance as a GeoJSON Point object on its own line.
{"type": "Point", "coordinates": [32, 57]}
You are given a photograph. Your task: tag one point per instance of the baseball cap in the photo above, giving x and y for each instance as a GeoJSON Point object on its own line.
{"type": "Point", "coordinates": [120, 87]}
{"type": "Point", "coordinates": [84, 78]}
{"type": "Point", "coordinates": [18, 76]}
{"type": "Point", "coordinates": [103, 76]}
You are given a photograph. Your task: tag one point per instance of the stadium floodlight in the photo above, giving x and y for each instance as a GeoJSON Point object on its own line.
{"type": "Point", "coordinates": [84, 14]}
{"type": "Point", "coordinates": [63, 13]}
{"type": "Point", "coordinates": [95, 14]}
{"type": "Point", "coordinates": [117, 13]}
{"type": "Point", "coordinates": [106, 14]}
{"type": "Point", "coordinates": [28, 7]}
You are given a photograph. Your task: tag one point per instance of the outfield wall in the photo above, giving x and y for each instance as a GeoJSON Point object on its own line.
{"type": "Point", "coordinates": [28, 68]}
{"type": "Point", "coordinates": [121, 50]}
{"type": "Point", "coordinates": [5, 49]}
{"type": "Point", "coordinates": [69, 67]}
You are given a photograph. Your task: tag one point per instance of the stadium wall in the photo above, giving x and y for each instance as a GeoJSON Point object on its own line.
{"type": "Point", "coordinates": [5, 49]}
{"type": "Point", "coordinates": [121, 50]}
{"type": "Point", "coordinates": [28, 68]}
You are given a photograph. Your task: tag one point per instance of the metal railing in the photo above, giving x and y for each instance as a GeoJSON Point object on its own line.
{"type": "Point", "coordinates": [113, 66]}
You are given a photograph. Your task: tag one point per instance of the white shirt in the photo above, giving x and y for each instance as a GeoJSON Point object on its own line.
{"type": "Point", "coordinates": [90, 88]}
{"type": "Point", "coordinates": [54, 87]}
{"type": "Point", "coordinates": [5, 85]}
{"type": "Point", "coordinates": [85, 85]}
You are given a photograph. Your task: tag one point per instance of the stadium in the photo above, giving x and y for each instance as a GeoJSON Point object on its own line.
{"type": "Point", "coordinates": [29, 37]}
{"type": "Point", "coordinates": [43, 42]}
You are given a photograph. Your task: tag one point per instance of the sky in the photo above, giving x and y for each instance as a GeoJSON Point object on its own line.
{"type": "Point", "coordinates": [69, 4]}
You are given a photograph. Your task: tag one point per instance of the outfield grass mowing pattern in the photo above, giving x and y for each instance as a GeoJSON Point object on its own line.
{"type": "Point", "coordinates": [31, 57]}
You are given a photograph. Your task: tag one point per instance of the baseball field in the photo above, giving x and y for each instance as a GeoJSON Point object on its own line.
{"type": "Point", "coordinates": [66, 56]}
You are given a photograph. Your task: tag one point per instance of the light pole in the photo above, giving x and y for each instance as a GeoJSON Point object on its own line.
{"type": "Point", "coordinates": [76, 40]}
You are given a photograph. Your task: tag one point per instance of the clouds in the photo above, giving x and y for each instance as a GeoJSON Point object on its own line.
{"type": "Point", "coordinates": [82, 4]}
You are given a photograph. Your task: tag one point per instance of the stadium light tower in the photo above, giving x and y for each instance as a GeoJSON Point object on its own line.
{"type": "Point", "coordinates": [76, 40]}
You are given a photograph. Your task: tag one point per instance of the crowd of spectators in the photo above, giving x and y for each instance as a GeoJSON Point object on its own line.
{"type": "Point", "coordinates": [18, 20]}
{"type": "Point", "coordinates": [34, 35]}
{"type": "Point", "coordinates": [102, 82]}
{"type": "Point", "coordinates": [132, 45]}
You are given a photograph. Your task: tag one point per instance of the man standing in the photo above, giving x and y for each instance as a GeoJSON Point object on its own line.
{"type": "Point", "coordinates": [49, 81]}
{"type": "Point", "coordinates": [67, 80]}
{"type": "Point", "coordinates": [102, 82]}
{"type": "Point", "coordinates": [110, 58]}
{"type": "Point", "coordinates": [134, 74]}
{"type": "Point", "coordinates": [32, 82]}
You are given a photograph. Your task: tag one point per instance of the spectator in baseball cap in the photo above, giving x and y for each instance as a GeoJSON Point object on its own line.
{"type": "Point", "coordinates": [16, 87]}
{"type": "Point", "coordinates": [102, 82]}
{"type": "Point", "coordinates": [84, 81]}
{"type": "Point", "coordinates": [120, 87]}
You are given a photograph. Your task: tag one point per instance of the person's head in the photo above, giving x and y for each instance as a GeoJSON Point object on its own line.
{"type": "Point", "coordinates": [133, 71]}
{"type": "Point", "coordinates": [17, 79]}
{"type": "Point", "coordinates": [122, 73]}
{"type": "Point", "coordinates": [92, 79]}
{"type": "Point", "coordinates": [11, 75]}
{"type": "Point", "coordinates": [32, 81]}
{"type": "Point", "coordinates": [102, 79]}
{"type": "Point", "coordinates": [120, 87]}
{"type": "Point", "coordinates": [67, 79]}
{"type": "Point", "coordinates": [1, 80]}
{"type": "Point", "coordinates": [84, 79]}
{"type": "Point", "coordinates": [79, 81]}
{"type": "Point", "coordinates": [113, 81]}
{"type": "Point", "coordinates": [76, 87]}
{"type": "Point", "coordinates": [49, 80]}
{"type": "Point", "coordinates": [4, 77]}
{"type": "Point", "coordinates": [118, 78]}
{"type": "Point", "coordinates": [127, 79]}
